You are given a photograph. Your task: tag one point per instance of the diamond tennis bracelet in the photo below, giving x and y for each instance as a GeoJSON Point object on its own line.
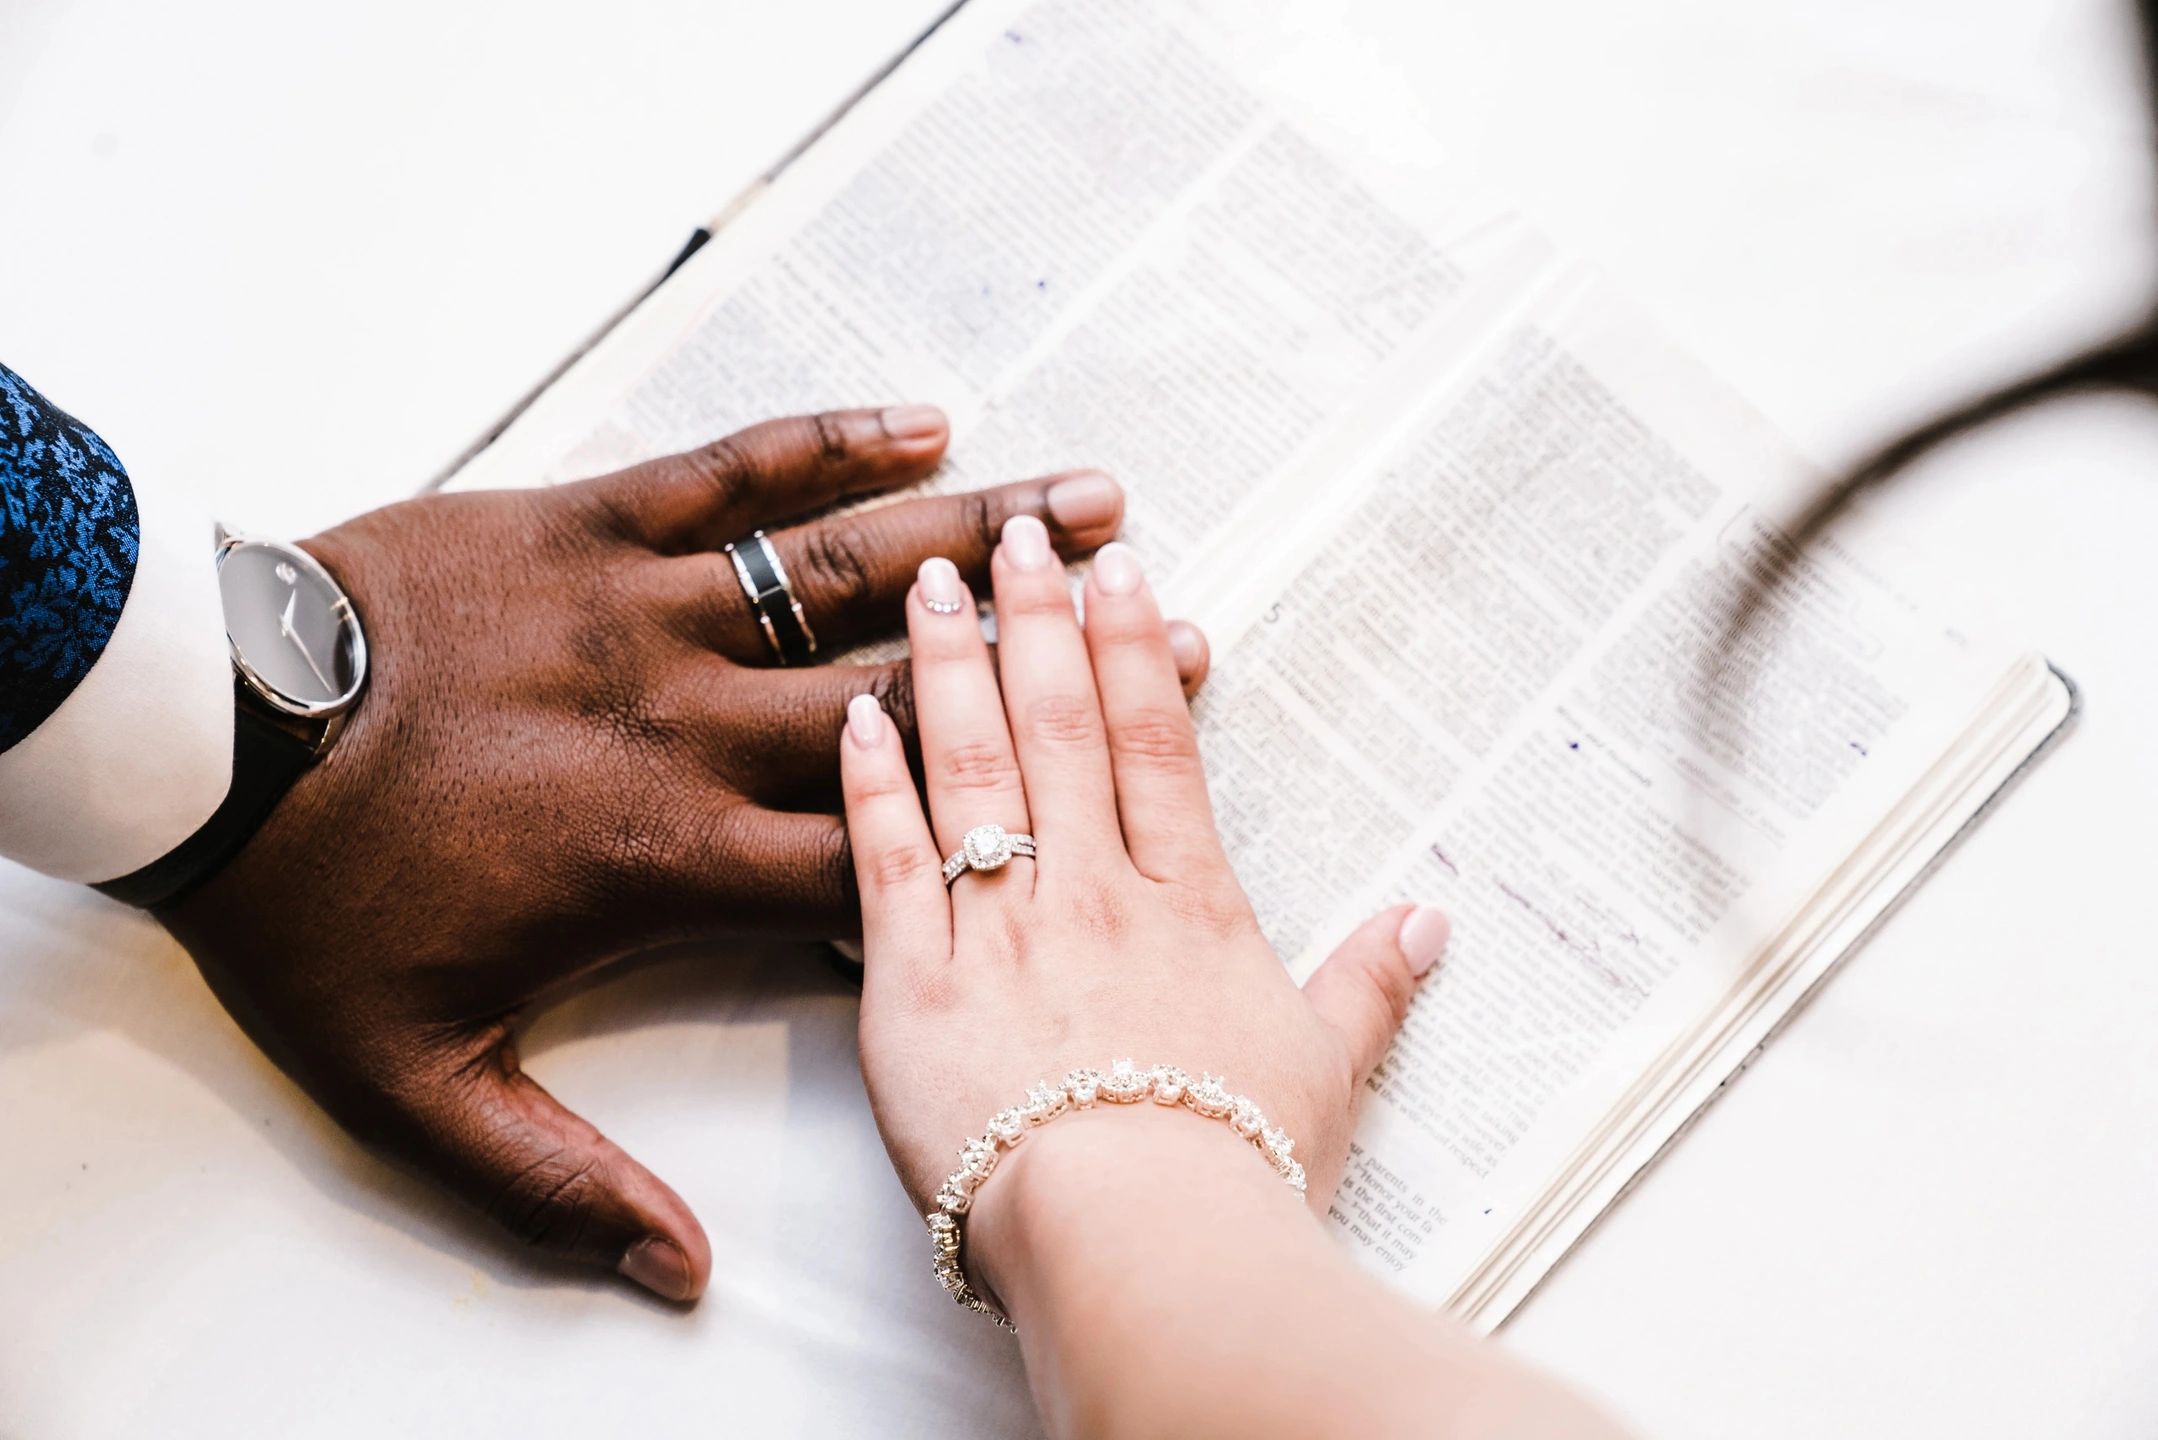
{"type": "Point", "coordinates": [1125, 1084]}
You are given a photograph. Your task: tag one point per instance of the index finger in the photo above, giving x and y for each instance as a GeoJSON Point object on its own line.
{"type": "Point", "coordinates": [705, 498]}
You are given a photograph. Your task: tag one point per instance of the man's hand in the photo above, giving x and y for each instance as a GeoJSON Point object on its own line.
{"type": "Point", "coordinates": [574, 745]}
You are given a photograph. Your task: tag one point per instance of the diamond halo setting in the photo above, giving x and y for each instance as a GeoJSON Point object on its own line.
{"type": "Point", "coordinates": [986, 848]}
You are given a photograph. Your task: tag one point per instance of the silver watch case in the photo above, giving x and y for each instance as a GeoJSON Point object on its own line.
{"type": "Point", "coordinates": [310, 663]}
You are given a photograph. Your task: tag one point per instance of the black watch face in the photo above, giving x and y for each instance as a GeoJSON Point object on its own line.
{"type": "Point", "coordinates": [293, 632]}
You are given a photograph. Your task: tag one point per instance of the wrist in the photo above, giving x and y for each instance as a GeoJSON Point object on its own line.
{"type": "Point", "coordinates": [1093, 1193]}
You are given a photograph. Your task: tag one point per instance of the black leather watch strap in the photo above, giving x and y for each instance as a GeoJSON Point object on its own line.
{"type": "Point", "coordinates": [266, 760]}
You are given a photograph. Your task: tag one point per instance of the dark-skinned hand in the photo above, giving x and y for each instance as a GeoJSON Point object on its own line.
{"type": "Point", "coordinates": [575, 745]}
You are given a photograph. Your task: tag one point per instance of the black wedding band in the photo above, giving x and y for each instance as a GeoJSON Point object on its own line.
{"type": "Point", "coordinates": [779, 614]}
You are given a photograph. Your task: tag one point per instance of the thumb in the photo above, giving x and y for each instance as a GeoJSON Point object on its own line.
{"type": "Point", "coordinates": [493, 1136]}
{"type": "Point", "coordinates": [1364, 988]}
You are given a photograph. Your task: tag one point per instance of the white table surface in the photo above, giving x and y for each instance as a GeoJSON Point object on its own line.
{"type": "Point", "coordinates": [301, 255]}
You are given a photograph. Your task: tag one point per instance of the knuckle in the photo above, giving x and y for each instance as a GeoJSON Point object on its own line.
{"type": "Point", "coordinates": [609, 505]}
{"type": "Point", "coordinates": [1155, 738]}
{"type": "Point", "coordinates": [1392, 983]}
{"type": "Point", "coordinates": [835, 561]}
{"type": "Point", "coordinates": [676, 860]}
{"type": "Point", "coordinates": [836, 890]}
{"type": "Point", "coordinates": [632, 843]}
{"type": "Point", "coordinates": [981, 519]}
{"type": "Point", "coordinates": [830, 433]}
{"type": "Point", "coordinates": [1033, 596]}
{"type": "Point", "coordinates": [893, 691]}
{"type": "Point", "coordinates": [1065, 720]}
{"type": "Point", "coordinates": [1099, 911]}
{"type": "Point", "coordinates": [548, 1203]}
{"type": "Point", "coordinates": [898, 866]}
{"type": "Point", "coordinates": [630, 713]}
{"type": "Point", "coordinates": [883, 786]}
{"type": "Point", "coordinates": [1218, 913]}
{"type": "Point", "coordinates": [724, 469]}
{"type": "Point", "coordinates": [832, 884]}
{"type": "Point", "coordinates": [978, 765]}
{"type": "Point", "coordinates": [1124, 620]}
{"type": "Point", "coordinates": [1011, 939]}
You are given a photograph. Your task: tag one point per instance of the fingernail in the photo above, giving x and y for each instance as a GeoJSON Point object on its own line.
{"type": "Point", "coordinates": [1026, 542]}
{"type": "Point", "coordinates": [1116, 569]}
{"type": "Point", "coordinates": [913, 422]}
{"type": "Point", "coordinates": [659, 1266]}
{"type": "Point", "coordinates": [1423, 937]}
{"type": "Point", "coordinates": [943, 592]}
{"type": "Point", "coordinates": [865, 721]}
{"type": "Point", "coordinates": [1187, 645]}
{"type": "Point", "coordinates": [1083, 503]}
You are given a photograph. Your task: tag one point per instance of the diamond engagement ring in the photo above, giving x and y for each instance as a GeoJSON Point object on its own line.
{"type": "Point", "coordinates": [986, 847]}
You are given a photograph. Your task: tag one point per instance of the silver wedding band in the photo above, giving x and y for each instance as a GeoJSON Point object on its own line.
{"type": "Point", "coordinates": [986, 847]}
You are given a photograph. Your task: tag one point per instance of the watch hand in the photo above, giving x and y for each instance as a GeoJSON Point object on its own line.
{"type": "Point", "coordinates": [308, 656]}
{"type": "Point", "coordinates": [284, 621]}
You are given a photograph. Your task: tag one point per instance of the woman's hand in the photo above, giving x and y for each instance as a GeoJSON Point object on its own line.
{"type": "Point", "coordinates": [1163, 1279]}
{"type": "Point", "coordinates": [1128, 936]}
{"type": "Point", "coordinates": [575, 744]}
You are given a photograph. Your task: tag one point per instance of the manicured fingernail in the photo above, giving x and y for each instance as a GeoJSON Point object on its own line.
{"type": "Point", "coordinates": [1116, 569]}
{"type": "Point", "coordinates": [913, 422]}
{"type": "Point", "coordinates": [865, 720]}
{"type": "Point", "coordinates": [659, 1266]}
{"type": "Point", "coordinates": [1423, 937]}
{"type": "Point", "coordinates": [1026, 542]}
{"type": "Point", "coordinates": [1187, 645]}
{"type": "Point", "coordinates": [943, 592]}
{"type": "Point", "coordinates": [1084, 503]}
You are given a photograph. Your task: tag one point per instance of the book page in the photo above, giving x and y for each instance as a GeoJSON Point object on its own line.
{"type": "Point", "coordinates": [1494, 685]}
{"type": "Point", "coordinates": [1074, 226]}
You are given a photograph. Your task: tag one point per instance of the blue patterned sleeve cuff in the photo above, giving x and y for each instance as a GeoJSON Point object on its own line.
{"type": "Point", "coordinates": [69, 536]}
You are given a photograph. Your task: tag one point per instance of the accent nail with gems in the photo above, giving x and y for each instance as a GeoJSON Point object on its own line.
{"type": "Point", "coordinates": [1026, 543]}
{"type": "Point", "coordinates": [943, 592]}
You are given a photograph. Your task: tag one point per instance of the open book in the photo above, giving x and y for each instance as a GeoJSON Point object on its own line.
{"type": "Point", "coordinates": [1467, 535]}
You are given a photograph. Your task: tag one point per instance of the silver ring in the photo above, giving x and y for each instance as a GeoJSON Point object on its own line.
{"type": "Point", "coordinates": [779, 614]}
{"type": "Point", "coordinates": [986, 847]}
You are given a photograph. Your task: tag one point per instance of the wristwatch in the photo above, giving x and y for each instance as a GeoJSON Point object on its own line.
{"type": "Point", "coordinates": [299, 660]}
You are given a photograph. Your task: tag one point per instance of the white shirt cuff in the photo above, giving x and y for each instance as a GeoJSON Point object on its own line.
{"type": "Point", "coordinates": [140, 754]}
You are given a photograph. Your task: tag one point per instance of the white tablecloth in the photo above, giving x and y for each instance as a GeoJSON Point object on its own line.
{"type": "Point", "coordinates": [300, 256]}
